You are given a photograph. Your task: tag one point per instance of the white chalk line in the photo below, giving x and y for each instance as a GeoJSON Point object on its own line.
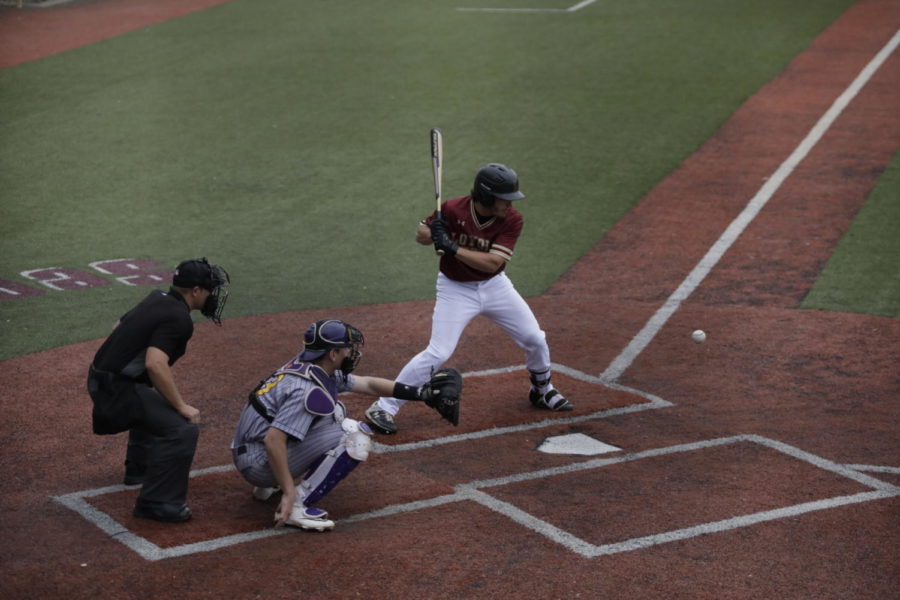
{"type": "Point", "coordinates": [734, 523]}
{"type": "Point", "coordinates": [875, 469]}
{"type": "Point", "coordinates": [474, 491]}
{"type": "Point", "coordinates": [736, 228]}
{"type": "Point", "coordinates": [150, 551]}
{"type": "Point", "coordinates": [653, 402]}
{"type": "Point", "coordinates": [571, 9]}
{"type": "Point", "coordinates": [588, 550]}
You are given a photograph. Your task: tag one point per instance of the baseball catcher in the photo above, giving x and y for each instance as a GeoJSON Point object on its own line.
{"type": "Point", "coordinates": [295, 435]}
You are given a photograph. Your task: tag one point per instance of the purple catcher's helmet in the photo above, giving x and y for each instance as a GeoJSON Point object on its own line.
{"type": "Point", "coordinates": [328, 334]}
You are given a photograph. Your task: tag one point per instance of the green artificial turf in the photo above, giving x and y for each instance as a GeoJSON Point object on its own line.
{"type": "Point", "coordinates": [288, 141]}
{"type": "Point", "coordinates": [863, 274]}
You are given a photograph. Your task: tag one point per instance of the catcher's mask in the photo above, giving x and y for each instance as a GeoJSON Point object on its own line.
{"type": "Point", "coordinates": [199, 272]}
{"type": "Point", "coordinates": [496, 181]}
{"type": "Point", "coordinates": [330, 334]}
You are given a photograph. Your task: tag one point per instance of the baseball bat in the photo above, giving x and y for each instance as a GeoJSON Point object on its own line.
{"type": "Point", "coordinates": [437, 165]}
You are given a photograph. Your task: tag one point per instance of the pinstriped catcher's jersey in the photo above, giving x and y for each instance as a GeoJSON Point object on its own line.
{"type": "Point", "coordinates": [497, 236]}
{"type": "Point", "coordinates": [283, 397]}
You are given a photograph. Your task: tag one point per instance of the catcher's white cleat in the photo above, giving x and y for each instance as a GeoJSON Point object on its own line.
{"type": "Point", "coordinates": [305, 517]}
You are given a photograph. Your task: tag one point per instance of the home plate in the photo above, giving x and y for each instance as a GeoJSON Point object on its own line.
{"type": "Point", "coordinates": [575, 443]}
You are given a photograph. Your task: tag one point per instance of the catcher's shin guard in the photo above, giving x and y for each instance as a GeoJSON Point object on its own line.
{"type": "Point", "coordinates": [335, 464]}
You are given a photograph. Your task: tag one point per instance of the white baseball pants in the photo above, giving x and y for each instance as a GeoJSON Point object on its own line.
{"type": "Point", "coordinates": [458, 302]}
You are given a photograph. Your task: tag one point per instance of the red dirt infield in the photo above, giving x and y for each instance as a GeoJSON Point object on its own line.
{"type": "Point", "coordinates": [763, 463]}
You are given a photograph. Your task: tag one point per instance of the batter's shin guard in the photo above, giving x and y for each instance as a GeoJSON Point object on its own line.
{"type": "Point", "coordinates": [539, 380]}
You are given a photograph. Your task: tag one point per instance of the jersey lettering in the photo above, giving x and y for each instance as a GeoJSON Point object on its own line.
{"type": "Point", "coordinates": [495, 235]}
{"type": "Point", "coordinates": [268, 385]}
{"type": "Point", "coordinates": [469, 241]}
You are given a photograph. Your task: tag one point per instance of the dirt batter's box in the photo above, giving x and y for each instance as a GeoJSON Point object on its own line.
{"type": "Point", "coordinates": [217, 491]}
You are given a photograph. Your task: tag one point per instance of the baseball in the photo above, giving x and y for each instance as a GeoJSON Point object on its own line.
{"type": "Point", "coordinates": [699, 336]}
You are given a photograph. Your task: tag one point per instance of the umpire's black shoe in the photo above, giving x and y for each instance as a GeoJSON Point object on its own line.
{"type": "Point", "coordinates": [162, 511]}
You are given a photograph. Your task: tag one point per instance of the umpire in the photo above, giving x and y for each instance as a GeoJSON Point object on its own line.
{"type": "Point", "coordinates": [132, 386]}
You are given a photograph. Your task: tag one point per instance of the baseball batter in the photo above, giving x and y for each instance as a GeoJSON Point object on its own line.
{"type": "Point", "coordinates": [477, 235]}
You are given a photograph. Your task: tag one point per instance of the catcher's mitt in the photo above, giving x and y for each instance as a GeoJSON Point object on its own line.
{"type": "Point", "coordinates": [442, 393]}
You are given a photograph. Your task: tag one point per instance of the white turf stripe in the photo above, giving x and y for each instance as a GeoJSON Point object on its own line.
{"type": "Point", "coordinates": [658, 320]}
{"type": "Point", "coordinates": [513, 10]}
{"type": "Point", "coordinates": [580, 5]}
{"type": "Point", "coordinates": [572, 8]}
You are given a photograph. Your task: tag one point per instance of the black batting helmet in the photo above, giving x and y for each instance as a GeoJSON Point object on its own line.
{"type": "Point", "coordinates": [496, 181]}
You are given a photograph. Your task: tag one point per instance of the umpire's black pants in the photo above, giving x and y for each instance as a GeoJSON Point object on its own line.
{"type": "Point", "coordinates": [160, 440]}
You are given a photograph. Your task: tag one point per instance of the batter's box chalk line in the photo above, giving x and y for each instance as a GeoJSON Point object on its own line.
{"type": "Point", "coordinates": [652, 402]}
{"type": "Point", "coordinates": [474, 492]}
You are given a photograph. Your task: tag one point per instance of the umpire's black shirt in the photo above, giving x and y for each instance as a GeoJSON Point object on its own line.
{"type": "Point", "coordinates": [162, 320]}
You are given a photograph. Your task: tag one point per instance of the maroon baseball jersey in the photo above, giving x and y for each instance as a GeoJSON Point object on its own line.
{"type": "Point", "coordinates": [497, 236]}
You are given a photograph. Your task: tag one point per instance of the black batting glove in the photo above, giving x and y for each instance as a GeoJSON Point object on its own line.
{"type": "Point", "coordinates": [437, 233]}
{"type": "Point", "coordinates": [443, 243]}
{"type": "Point", "coordinates": [438, 227]}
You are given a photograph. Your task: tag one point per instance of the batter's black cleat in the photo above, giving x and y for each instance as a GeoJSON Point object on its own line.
{"type": "Point", "coordinates": [551, 400]}
{"type": "Point", "coordinates": [381, 420]}
{"type": "Point", "coordinates": [162, 511]}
